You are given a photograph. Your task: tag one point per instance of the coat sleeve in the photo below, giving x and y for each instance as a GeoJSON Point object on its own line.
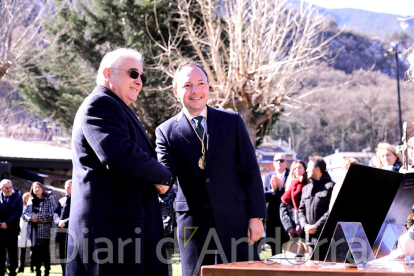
{"type": "Point", "coordinates": [27, 214]}
{"type": "Point", "coordinates": [105, 126]}
{"type": "Point", "coordinates": [302, 213]}
{"type": "Point", "coordinates": [321, 221]}
{"type": "Point", "coordinates": [250, 172]}
{"type": "Point", "coordinates": [15, 218]}
{"type": "Point", "coordinates": [285, 218]}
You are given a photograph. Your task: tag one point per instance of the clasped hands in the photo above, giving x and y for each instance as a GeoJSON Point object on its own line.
{"type": "Point", "coordinates": [34, 218]}
{"type": "Point", "coordinates": [276, 183]}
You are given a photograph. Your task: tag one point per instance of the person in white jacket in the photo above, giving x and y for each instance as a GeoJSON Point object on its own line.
{"type": "Point", "coordinates": [23, 241]}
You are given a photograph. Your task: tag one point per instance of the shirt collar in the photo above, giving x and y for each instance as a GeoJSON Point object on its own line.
{"type": "Point", "coordinates": [282, 173]}
{"type": "Point", "coordinates": [203, 113]}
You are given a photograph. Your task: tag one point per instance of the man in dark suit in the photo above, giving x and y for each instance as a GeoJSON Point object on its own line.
{"type": "Point", "coordinates": [11, 208]}
{"type": "Point", "coordinates": [61, 219]}
{"type": "Point", "coordinates": [115, 217]}
{"type": "Point", "coordinates": [274, 186]}
{"type": "Point", "coordinates": [220, 201]}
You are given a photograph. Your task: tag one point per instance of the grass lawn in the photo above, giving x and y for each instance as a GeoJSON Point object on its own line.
{"type": "Point", "coordinates": [57, 270]}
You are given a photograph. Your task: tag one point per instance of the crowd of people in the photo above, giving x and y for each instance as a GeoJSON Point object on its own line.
{"type": "Point", "coordinates": [26, 221]}
{"type": "Point", "coordinates": [121, 182]}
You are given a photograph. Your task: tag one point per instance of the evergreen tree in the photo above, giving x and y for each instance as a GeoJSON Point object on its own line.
{"type": "Point", "coordinates": [58, 84]}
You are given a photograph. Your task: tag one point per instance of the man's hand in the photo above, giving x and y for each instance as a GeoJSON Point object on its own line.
{"type": "Point", "coordinates": [3, 225]}
{"type": "Point", "coordinates": [34, 218]}
{"type": "Point", "coordinates": [62, 224]}
{"type": "Point", "coordinates": [276, 183]}
{"type": "Point", "coordinates": [161, 189]}
{"type": "Point", "coordinates": [311, 229]}
{"type": "Point", "coordinates": [255, 230]}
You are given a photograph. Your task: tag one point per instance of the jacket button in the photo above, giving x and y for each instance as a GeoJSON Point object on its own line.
{"type": "Point", "coordinates": [152, 215]}
{"type": "Point", "coordinates": [208, 180]}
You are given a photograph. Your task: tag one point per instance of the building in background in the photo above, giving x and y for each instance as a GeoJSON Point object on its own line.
{"type": "Point", "coordinates": [268, 149]}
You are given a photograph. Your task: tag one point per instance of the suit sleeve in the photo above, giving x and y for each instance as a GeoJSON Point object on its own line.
{"type": "Point", "coordinates": [56, 215]}
{"type": "Point", "coordinates": [164, 152]}
{"type": "Point", "coordinates": [250, 172]}
{"type": "Point", "coordinates": [105, 126]}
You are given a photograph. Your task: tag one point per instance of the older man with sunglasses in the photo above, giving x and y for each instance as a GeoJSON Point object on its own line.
{"type": "Point", "coordinates": [274, 186]}
{"type": "Point", "coordinates": [115, 223]}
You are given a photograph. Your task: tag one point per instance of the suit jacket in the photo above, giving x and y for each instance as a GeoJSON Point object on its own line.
{"type": "Point", "coordinates": [227, 193]}
{"type": "Point", "coordinates": [273, 210]}
{"type": "Point", "coordinates": [113, 197]}
{"type": "Point", "coordinates": [62, 213]}
{"type": "Point", "coordinates": [11, 215]}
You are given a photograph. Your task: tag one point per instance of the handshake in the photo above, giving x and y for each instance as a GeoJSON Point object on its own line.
{"type": "Point", "coordinates": [293, 233]}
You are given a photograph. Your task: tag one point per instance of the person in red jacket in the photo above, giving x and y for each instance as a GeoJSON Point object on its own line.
{"type": "Point", "coordinates": [291, 198]}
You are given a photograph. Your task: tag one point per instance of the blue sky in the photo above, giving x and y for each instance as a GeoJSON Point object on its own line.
{"type": "Point", "coordinates": [398, 7]}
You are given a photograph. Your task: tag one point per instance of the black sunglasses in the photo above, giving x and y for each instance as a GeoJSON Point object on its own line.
{"type": "Point", "coordinates": [280, 160]}
{"type": "Point", "coordinates": [135, 74]}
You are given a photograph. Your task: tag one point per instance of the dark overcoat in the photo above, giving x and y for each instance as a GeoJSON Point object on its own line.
{"type": "Point", "coordinates": [115, 217]}
{"type": "Point", "coordinates": [224, 196]}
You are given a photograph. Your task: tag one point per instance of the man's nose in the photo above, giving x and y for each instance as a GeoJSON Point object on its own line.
{"type": "Point", "coordinates": [138, 80]}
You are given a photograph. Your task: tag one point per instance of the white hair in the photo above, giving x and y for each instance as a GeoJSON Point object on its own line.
{"type": "Point", "coordinates": [5, 181]}
{"type": "Point", "coordinates": [112, 59]}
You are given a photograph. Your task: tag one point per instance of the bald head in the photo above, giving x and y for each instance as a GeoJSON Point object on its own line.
{"type": "Point", "coordinates": [68, 187]}
{"type": "Point", "coordinates": [279, 162]}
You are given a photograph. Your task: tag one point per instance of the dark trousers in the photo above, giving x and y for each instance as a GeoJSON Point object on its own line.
{"type": "Point", "coordinates": [41, 254]}
{"type": "Point", "coordinates": [63, 249]}
{"type": "Point", "coordinates": [8, 245]}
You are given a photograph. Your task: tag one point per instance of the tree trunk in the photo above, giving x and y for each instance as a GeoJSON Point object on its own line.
{"type": "Point", "coordinates": [250, 122]}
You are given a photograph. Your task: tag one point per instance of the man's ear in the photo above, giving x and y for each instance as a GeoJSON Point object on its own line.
{"type": "Point", "coordinates": [107, 74]}
{"type": "Point", "coordinates": [176, 93]}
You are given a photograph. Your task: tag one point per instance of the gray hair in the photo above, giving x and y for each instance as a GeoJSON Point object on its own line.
{"type": "Point", "coordinates": [187, 63]}
{"type": "Point", "coordinates": [5, 181]}
{"type": "Point", "coordinates": [112, 59]}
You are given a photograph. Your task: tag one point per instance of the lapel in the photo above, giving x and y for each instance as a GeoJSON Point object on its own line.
{"type": "Point", "coordinates": [187, 132]}
{"type": "Point", "coordinates": [129, 112]}
{"type": "Point", "coordinates": [214, 122]}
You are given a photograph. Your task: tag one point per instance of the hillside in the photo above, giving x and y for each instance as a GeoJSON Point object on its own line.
{"type": "Point", "coordinates": [371, 22]}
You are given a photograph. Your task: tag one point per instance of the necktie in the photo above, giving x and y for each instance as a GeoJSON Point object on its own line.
{"type": "Point", "coordinates": [199, 127]}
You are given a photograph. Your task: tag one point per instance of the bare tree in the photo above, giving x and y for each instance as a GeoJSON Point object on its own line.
{"type": "Point", "coordinates": [253, 50]}
{"type": "Point", "coordinates": [22, 37]}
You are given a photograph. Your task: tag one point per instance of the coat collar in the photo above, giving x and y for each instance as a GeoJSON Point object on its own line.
{"type": "Point", "coordinates": [127, 110]}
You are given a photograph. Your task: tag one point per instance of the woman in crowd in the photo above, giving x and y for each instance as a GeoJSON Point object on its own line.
{"type": "Point", "coordinates": [387, 157]}
{"type": "Point", "coordinates": [291, 198]}
{"type": "Point", "coordinates": [39, 215]}
{"type": "Point", "coordinates": [23, 241]}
